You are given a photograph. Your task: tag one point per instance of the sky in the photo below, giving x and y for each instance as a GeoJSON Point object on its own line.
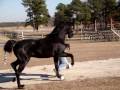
{"type": "Point", "coordinates": [14, 11]}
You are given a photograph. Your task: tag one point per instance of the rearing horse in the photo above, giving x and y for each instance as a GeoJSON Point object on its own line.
{"type": "Point", "coordinates": [53, 45]}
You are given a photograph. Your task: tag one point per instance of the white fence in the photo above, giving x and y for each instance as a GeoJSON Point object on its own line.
{"type": "Point", "coordinates": [107, 35]}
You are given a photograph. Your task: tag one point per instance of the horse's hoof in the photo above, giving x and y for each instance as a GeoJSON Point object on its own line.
{"type": "Point", "coordinates": [72, 64]}
{"type": "Point", "coordinates": [14, 79]}
{"type": "Point", "coordinates": [21, 87]}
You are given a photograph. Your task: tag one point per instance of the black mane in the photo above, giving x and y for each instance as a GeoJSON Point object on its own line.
{"type": "Point", "coordinates": [58, 28]}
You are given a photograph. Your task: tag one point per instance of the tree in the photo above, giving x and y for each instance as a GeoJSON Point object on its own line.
{"type": "Point", "coordinates": [65, 12]}
{"type": "Point", "coordinates": [108, 10]}
{"type": "Point", "coordinates": [82, 11]}
{"type": "Point", "coordinates": [96, 11]}
{"type": "Point", "coordinates": [118, 5]}
{"type": "Point", "coordinates": [102, 10]}
{"type": "Point", "coordinates": [37, 12]}
{"type": "Point", "coordinates": [60, 14]}
{"type": "Point", "coordinates": [86, 13]}
{"type": "Point", "coordinates": [77, 8]}
{"type": "Point", "coordinates": [96, 7]}
{"type": "Point", "coordinates": [116, 13]}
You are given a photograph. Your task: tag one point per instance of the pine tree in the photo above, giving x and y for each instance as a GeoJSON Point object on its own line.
{"type": "Point", "coordinates": [60, 14]}
{"type": "Point", "coordinates": [37, 12]}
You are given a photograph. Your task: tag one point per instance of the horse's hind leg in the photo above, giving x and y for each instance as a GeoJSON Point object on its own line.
{"type": "Point", "coordinates": [14, 65]}
{"type": "Point", "coordinates": [21, 63]}
{"type": "Point", "coordinates": [20, 69]}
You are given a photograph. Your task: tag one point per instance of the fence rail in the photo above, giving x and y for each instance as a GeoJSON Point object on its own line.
{"type": "Point", "coordinates": [107, 35]}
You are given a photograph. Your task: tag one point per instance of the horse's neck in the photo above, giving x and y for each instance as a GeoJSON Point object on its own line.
{"type": "Point", "coordinates": [58, 34]}
{"type": "Point", "coordinates": [62, 35]}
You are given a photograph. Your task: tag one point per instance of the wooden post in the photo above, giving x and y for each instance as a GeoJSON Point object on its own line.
{"type": "Point", "coordinates": [95, 26]}
{"type": "Point", "coordinates": [81, 27]}
{"type": "Point", "coordinates": [111, 24]}
{"type": "Point", "coordinates": [22, 35]}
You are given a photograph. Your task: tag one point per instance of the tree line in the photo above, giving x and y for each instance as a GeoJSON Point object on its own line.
{"type": "Point", "coordinates": [91, 11]}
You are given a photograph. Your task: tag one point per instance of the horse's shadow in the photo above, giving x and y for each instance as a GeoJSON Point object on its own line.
{"type": "Point", "coordinates": [8, 77]}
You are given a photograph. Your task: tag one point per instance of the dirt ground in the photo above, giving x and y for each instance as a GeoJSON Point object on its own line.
{"type": "Point", "coordinates": [87, 84]}
{"type": "Point", "coordinates": [82, 52]}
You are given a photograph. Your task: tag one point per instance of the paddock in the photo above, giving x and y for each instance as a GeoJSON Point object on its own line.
{"type": "Point", "coordinates": [103, 57]}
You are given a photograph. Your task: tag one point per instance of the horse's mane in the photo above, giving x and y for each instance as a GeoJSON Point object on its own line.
{"type": "Point", "coordinates": [60, 26]}
{"type": "Point", "coordinates": [56, 30]}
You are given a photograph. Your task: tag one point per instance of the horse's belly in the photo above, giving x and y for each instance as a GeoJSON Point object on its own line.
{"type": "Point", "coordinates": [43, 54]}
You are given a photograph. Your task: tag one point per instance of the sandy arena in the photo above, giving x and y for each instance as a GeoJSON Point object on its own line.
{"type": "Point", "coordinates": [97, 67]}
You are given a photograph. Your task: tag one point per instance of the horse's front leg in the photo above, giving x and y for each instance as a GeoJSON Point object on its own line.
{"type": "Point", "coordinates": [67, 46]}
{"type": "Point", "coordinates": [65, 54]}
{"type": "Point", "coordinates": [56, 68]}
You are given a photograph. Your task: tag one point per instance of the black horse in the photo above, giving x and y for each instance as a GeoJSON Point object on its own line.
{"type": "Point", "coordinates": [53, 45]}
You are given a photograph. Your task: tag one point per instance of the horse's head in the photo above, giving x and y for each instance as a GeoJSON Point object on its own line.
{"type": "Point", "coordinates": [69, 28]}
{"type": "Point", "coordinates": [62, 29]}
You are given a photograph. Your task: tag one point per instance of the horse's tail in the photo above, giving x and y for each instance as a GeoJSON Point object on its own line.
{"type": "Point", "coordinates": [8, 48]}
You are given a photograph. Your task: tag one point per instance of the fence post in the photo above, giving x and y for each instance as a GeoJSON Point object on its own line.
{"type": "Point", "coordinates": [22, 35]}
{"type": "Point", "coordinates": [111, 23]}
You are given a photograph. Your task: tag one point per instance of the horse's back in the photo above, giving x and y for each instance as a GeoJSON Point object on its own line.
{"type": "Point", "coordinates": [40, 48]}
{"type": "Point", "coordinates": [24, 46]}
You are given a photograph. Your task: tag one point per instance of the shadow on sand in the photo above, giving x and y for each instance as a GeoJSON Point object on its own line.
{"type": "Point", "coordinates": [8, 77]}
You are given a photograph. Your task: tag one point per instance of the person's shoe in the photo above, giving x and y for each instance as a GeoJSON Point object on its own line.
{"type": "Point", "coordinates": [68, 66]}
